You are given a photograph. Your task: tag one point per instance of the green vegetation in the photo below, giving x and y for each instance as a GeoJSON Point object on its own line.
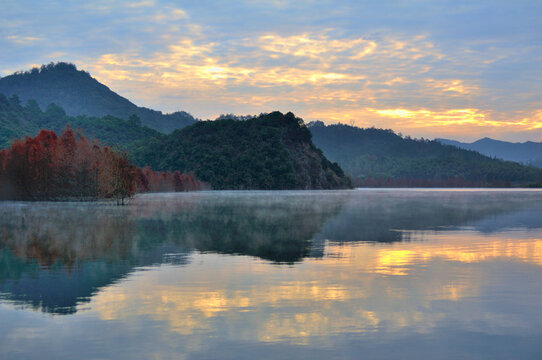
{"type": "Point", "coordinates": [80, 94]}
{"type": "Point", "coordinates": [17, 121]}
{"type": "Point", "coordinates": [272, 151]}
{"type": "Point", "coordinates": [269, 152]}
{"type": "Point", "coordinates": [381, 157]}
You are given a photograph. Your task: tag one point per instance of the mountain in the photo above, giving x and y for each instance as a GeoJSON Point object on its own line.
{"type": "Point", "coordinates": [376, 154]}
{"type": "Point", "coordinates": [18, 121]}
{"type": "Point", "coordinates": [80, 94]}
{"type": "Point", "coordinates": [272, 151]}
{"type": "Point", "coordinates": [527, 152]}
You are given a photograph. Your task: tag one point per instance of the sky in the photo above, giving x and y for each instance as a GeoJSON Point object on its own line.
{"type": "Point", "coordinates": [455, 69]}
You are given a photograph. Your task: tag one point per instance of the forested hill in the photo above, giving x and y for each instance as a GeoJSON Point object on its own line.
{"type": "Point", "coordinates": [18, 121]}
{"type": "Point", "coordinates": [527, 152]}
{"type": "Point", "coordinates": [269, 152]}
{"type": "Point", "coordinates": [272, 151]}
{"type": "Point", "coordinates": [80, 94]}
{"type": "Point", "coordinates": [375, 156]}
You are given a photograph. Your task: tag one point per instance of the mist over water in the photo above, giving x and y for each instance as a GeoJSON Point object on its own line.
{"type": "Point", "coordinates": [409, 274]}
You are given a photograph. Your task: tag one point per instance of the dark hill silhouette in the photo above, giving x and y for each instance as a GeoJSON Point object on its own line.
{"type": "Point", "coordinates": [80, 94]}
{"type": "Point", "coordinates": [272, 151]}
{"type": "Point", "coordinates": [527, 152]}
{"type": "Point", "coordinates": [392, 159]}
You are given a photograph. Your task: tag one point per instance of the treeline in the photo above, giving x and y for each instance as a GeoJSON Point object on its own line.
{"type": "Point", "coordinates": [167, 181]}
{"type": "Point", "coordinates": [378, 157]}
{"type": "Point", "coordinates": [271, 152]}
{"type": "Point", "coordinates": [69, 167]}
{"type": "Point", "coordinates": [18, 120]}
{"type": "Point", "coordinates": [457, 182]}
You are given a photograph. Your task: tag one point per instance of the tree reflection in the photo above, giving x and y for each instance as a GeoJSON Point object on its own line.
{"type": "Point", "coordinates": [54, 256]}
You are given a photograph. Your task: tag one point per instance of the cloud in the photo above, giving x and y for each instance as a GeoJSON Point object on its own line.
{"type": "Point", "coordinates": [23, 40]}
{"type": "Point", "coordinates": [318, 76]}
{"type": "Point", "coordinates": [426, 118]}
{"type": "Point", "coordinates": [305, 45]}
{"type": "Point", "coordinates": [324, 60]}
{"type": "Point", "coordinates": [469, 123]}
{"type": "Point", "coordinates": [144, 3]}
{"type": "Point", "coordinates": [263, 62]}
{"type": "Point", "coordinates": [453, 86]}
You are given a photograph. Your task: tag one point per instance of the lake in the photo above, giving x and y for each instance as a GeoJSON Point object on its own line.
{"type": "Point", "coordinates": [375, 274]}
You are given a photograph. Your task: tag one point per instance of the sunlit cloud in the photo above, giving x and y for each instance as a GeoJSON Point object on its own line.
{"type": "Point", "coordinates": [475, 117]}
{"type": "Point", "coordinates": [432, 123]}
{"type": "Point", "coordinates": [453, 86]}
{"type": "Point", "coordinates": [23, 40]}
{"type": "Point", "coordinates": [259, 64]}
{"type": "Point", "coordinates": [305, 45]}
{"type": "Point", "coordinates": [170, 14]}
{"type": "Point", "coordinates": [138, 4]}
{"type": "Point", "coordinates": [330, 61]}
{"type": "Point", "coordinates": [426, 117]}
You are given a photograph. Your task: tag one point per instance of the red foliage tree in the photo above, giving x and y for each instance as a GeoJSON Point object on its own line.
{"type": "Point", "coordinates": [48, 167]}
{"type": "Point", "coordinates": [166, 181]}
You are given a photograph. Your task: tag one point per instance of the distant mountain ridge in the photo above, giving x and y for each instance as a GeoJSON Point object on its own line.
{"type": "Point", "coordinates": [528, 152]}
{"type": "Point", "coordinates": [80, 94]}
{"type": "Point", "coordinates": [378, 157]}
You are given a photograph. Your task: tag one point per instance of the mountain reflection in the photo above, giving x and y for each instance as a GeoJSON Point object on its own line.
{"type": "Point", "coordinates": [56, 256]}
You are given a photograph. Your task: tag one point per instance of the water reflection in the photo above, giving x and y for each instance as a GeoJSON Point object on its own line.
{"type": "Point", "coordinates": [321, 274]}
{"type": "Point", "coordinates": [79, 248]}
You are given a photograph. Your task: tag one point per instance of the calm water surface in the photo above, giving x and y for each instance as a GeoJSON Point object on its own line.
{"type": "Point", "coordinates": [375, 274]}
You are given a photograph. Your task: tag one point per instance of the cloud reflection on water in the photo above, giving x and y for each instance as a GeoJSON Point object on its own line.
{"type": "Point", "coordinates": [383, 263]}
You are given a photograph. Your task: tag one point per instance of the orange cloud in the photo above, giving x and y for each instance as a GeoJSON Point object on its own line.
{"type": "Point", "coordinates": [320, 77]}
{"type": "Point", "coordinates": [459, 87]}
{"type": "Point", "coordinates": [313, 47]}
{"type": "Point", "coordinates": [23, 40]}
{"type": "Point", "coordinates": [425, 117]}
